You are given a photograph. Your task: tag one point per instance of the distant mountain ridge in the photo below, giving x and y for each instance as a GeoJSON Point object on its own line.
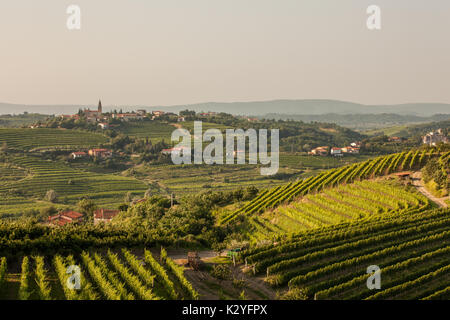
{"type": "Point", "coordinates": [256, 108]}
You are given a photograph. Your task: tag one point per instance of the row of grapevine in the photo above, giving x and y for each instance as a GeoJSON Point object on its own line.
{"type": "Point", "coordinates": [141, 290]}
{"type": "Point", "coordinates": [411, 248]}
{"type": "Point", "coordinates": [363, 244]}
{"type": "Point", "coordinates": [161, 274]}
{"type": "Point", "coordinates": [393, 275]}
{"type": "Point", "coordinates": [25, 277]}
{"type": "Point", "coordinates": [93, 276]}
{"type": "Point", "coordinates": [136, 265]}
{"type": "Point", "coordinates": [179, 274]}
{"type": "Point", "coordinates": [106, 288]}
{"type": "Point", "coordinates": [335, 205]}
{"type": "Point", "coordinates": [45, 292]}
{"type": "Point", "coordinates": [3, 270]}
{"type": "Point", "coordinates": [332, 233]}
{"type": "Point", "coordinates": [61, 268]}
{"type": "Point", "coordinates": [315, 240]}
{"type": "Point", "coordinates": [113, 278]}
{"type": "Point", "coordinates": [368, 169]}
{"type": "Point", "coordinates": [413, 284]}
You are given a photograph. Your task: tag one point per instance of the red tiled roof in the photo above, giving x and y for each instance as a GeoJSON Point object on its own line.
{"type": "Point", "coordinates": [51, 218]}
{"type": "Point", "coordinates": [61, 222]}
{"type": "Point", "coordinates": [71, 214]}
{"type": "Point", "coordinates": [79, 153]}
{"type": "Point", "coordinates": [64, 218]}
{"type": "Point", "coordinates": [403, 174]}
{"type": "Point", "coordinates": [105, 214]}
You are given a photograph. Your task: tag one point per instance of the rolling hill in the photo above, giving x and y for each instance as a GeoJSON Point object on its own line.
{"type": "Point", "coordinates": [299, 107]}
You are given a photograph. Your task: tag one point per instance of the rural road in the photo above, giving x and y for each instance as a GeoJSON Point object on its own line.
{"type": "Point", "coordinates": [182, 254]}
{"type": "Point", "coordinates": [418, 183]}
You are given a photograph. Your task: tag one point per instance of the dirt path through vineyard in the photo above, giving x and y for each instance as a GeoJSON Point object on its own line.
{"type": "Point", "coordinates": [418, 183]}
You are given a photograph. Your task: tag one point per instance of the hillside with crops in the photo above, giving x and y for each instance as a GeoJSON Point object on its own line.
{"type": "Point", "coordinates": [312, 231]}
{"type": "Point", "coordinates": [372, 168]}
{"type": "Point", "coordinates": [106, 275]}
{"type": "Point", "coordinates": [411, 248]}
{"type": "Point", "coordinates": [26, 179]}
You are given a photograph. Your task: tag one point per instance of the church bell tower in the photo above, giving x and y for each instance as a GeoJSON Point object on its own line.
{"type": "Point", "coordinates": [99, 107]}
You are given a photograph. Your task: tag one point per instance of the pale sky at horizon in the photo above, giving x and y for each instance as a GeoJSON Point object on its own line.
{"type": "Point", "coordinates": [167, 52]}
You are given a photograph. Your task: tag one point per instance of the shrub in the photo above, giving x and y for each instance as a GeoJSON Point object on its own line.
{"type": "Point", "coordinates": [221, 272]}
{"type": "Point", "coordinates": [51, 196]}
{"type": "Point", "coordinates": [294, 294]}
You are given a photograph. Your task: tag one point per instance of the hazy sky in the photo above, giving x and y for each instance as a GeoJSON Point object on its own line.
{"type": "Point", "coordinates": [164, 52]}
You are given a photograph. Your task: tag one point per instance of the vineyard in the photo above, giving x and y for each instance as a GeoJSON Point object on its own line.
{"type": "Point", "coordinates": [380, 166]}
{"type": "Point", "coordinates": [412, 248]}
{"type": "Point", "coordinates": [358, 200]}
{"type": "Point", "coordinates": [154, 130]}
{"type": "Point", "coordinates": [29, 139]}
{"type": "Point", "coordinates": [108, 275]}
{"type": "Point", "coordinates": [32, 177]}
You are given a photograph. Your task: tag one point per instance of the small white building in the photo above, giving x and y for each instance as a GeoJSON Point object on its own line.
{"type": "Point", "coordinates": [78, 155]}
{"type": "Point", "coordinates": [103, 125]}
{"type": "Point", "coordinates": [337, 152]}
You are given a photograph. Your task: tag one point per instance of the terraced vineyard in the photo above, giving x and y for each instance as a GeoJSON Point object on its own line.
{"type": "Point", "coordinates": [371, 168]}
{"type": "Point", "coordinates": [154, 130]}
{"type": "Point", "coordinates": [412, 249]}
{"type": "Point", "coordinates": [17, 195]}
{"type": "Point", "coordinates": [29, 139]}
{"type": "Point", "coordinates": [106, 276]}
{"type": "Point", "coordinates": [191, 179]}
{"type": "Point", "coordinates": [336, 205]}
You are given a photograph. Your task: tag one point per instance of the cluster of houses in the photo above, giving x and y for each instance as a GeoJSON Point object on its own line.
{"type": "Point", "coordinates": [66, 217]}
{"type": "Point", "coordinates": [335, 151]}
{"type": "Point", "coordinates": [95, 153]}
{"type": "Point", "coordinates": [97, 116]}
{"type": "Point", "coordinates": [434, 137]}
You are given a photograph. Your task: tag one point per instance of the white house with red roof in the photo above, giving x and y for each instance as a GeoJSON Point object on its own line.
{"type": "Point", "coordinates": [78, 154]}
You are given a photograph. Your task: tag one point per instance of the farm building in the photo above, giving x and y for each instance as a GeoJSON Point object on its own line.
{"type": "Point", "coordinates": [78, 154]}
{"type": "Point", "coordinates": [104, 215]}
{"type": "Point", "coordinates": [319, 151]}
{"type": "Point", "coordinates": [405, 175]}
{"type": "Point", "coordinates": [352, 150]}
{"type": "Point", "coordinates": [65, 217]}
{"type": "Point", "coordinates": [100, 153]}
{"type": "Point", "coordinates": [337, 152]}
{"type": "Point", "coordinates": [157, 113]}
{"type": "Point", "coordinates": [103, 125]}
{"type": "Point", "coordinates": [395, 139]}
{"type": "Point", "coordinates": [356, 144]}
{"type": "Point", "coordinates": [434, 137]}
